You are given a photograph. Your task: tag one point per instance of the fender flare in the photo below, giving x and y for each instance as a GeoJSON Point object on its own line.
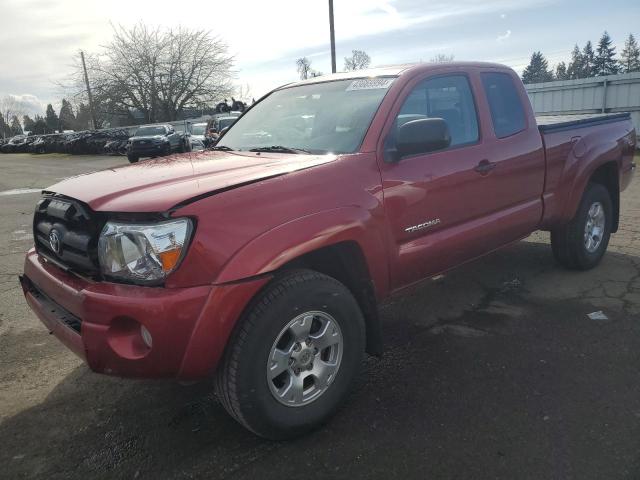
{"type": "Point", "coordinates": [297, 237]}
{"type": "Point", "coordinates": [585, 166]}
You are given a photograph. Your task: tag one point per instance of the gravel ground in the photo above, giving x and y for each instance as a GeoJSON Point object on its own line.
{"type": "Point", "coordinates": [493, 371]}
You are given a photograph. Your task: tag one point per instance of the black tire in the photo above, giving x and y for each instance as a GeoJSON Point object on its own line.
{"type": "Point", "coordinates": [568, 242]}
{"type": "Point", "coordinates": [166, 150]}
{"type": "Point", "coordinates": [132, 158]}
{"type": "Point", "coordinates": [241, 380]}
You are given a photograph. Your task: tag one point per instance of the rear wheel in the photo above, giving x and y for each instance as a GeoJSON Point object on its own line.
{"type": "Point", "coordinates": [581, 244]}
{"type": "Point", "coordinates": [291, 361]}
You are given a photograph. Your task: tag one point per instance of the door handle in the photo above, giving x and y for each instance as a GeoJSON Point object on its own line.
{"type": "Point", "coordinates": [484, 167]}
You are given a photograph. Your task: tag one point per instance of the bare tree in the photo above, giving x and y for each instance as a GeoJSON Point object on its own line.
{"type": "Point", "coordinates": [160, 72]}
{"type": "Point", "coordinates": [10, 107]}
{"type": "Point", "coordinates": [304, 67]}
{"type": "Point", "coordinates": [358, 60]}
{"type": "Point", "coordinates": [442, 58]}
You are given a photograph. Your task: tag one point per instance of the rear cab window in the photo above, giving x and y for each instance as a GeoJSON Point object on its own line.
{"type": "Point", "coordinates": [449, 98]}
{"type": "Point", "coordinates": [507, 113]}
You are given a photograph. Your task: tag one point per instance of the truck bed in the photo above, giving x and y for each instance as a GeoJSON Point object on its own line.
{"type": "Point", "coordinates": [556, 123]}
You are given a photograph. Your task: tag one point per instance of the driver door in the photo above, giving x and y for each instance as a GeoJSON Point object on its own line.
{"type": "Point", "coordinates": [435, 201]}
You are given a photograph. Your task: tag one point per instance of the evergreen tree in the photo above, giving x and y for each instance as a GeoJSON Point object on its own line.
{"type": "Point", "coordinates": [561, 72]}
{"type": "Point", "coordinates": [83, 119]}
{"type": "Point", "coordinates": [630, 55]}
{"type": "Point", "coordinates": [40, 126]}
{"type": "Point", "coordinates": [67, 118]}
{"type": "Point", "coordinates": [588, 61]}
{"type": "Point", "coordinates": [16, 128]}
{"type": "Point", "coordinates": [605, 62]}
{"type": "Point", "coordinates": [576, 65]}
{"type": "Point", "coordinates": [27, 123]}
{"type": "Point", "coordinates": [52, 119]}
{"type": "Point", "coordinates": [538, 70]}
{"type": "Point", "coordinates": [5, 130]}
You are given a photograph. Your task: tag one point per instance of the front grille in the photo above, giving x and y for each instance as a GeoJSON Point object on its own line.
{"type": "Point", "coordinates": [72, 228]}
{"type": "Point", "coordinates": [144, 143]}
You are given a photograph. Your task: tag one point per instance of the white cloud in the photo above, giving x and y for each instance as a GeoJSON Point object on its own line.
{"type": "Point", "coordinates": [24, 104]}
{"type": "Point", "coordinates": [49, 33]}
{"type": "Point", "coordinates": [502, 38]}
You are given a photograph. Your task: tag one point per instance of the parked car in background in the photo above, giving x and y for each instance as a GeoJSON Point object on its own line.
{"type": "Point", "coordinates": [116, 147]}
{"type": "Point", "coordinates": [221, 123]}
{"type": "Point", "coordinates": [38, 144]}
{"type": "Point", "coordinates": [15, 144]}
{"type": "Point", "coordinates": [198, 130]}
{"type": "Point", "coordinates": [196, 145]}
{"type": "Point", "coordinates": [197, 137]}
{"type": "Point", "coordinates": [262, 262]}
{"type": "Point", "coordinates": [153, 141]}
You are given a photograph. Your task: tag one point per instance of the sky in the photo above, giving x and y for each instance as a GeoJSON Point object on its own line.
{"type": "Point", "coordinates": [40, 38]}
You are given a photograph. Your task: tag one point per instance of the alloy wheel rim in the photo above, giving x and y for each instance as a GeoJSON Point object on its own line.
{"type": "Point", "coordinates": [305, 358]}
{"type": "Point", "coordinates": [594, 227]}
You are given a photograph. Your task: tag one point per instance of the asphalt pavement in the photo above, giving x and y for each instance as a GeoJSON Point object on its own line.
{"type": "Point", "coordinates": [494, 371]}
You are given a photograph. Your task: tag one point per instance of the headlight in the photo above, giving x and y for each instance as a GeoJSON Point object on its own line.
{"type": "Point", "coordinates": [142, 252]}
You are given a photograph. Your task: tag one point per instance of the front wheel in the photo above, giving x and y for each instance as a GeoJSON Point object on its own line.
{"type": "Point", "coordinates": [581, 244]}
{"type": "Point", "coordinates": [293, 357]}
{"type": "Point", "coordinates": [132, 158]}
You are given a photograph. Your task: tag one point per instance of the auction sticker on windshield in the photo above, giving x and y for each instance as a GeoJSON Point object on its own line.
{"type": "Point", "coordinates": [370, 83]}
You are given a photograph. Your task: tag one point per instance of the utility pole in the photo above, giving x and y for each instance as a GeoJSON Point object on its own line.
{"type": "Point", "coordinates": [86, 81]}
{"type": "Point", "coordinates": [333, 38]}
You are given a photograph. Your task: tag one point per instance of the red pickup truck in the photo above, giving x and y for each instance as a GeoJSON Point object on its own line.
{"type": "Point", "coordinates": [261, 263]}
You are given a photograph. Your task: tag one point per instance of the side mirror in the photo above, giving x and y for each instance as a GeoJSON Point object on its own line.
{"type": "Point", "coordinates": [422, 136]}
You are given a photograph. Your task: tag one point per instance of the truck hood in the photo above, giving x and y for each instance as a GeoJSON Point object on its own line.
{"type": "Point", "coordinates": [149, 137]}
{"type": "Point", "coordinates": [158, 185]}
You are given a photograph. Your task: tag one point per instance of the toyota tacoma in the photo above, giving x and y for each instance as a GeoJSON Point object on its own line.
{"type": "Point", "coordinates": [261, 263]}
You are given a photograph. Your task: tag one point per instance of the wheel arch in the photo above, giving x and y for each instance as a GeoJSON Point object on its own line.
{"type": "Point", "coordinates": [600, 165]}
{"type": "Point", "coordinates": [345, 262]}
{"type": "Point", "coordinates": [352, 253]}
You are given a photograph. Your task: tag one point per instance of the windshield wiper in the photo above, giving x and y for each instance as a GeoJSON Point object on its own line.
{"type": "Point", "coordinates": [280, 149]}
{"type": "Point", "coordinates": [223, 148]}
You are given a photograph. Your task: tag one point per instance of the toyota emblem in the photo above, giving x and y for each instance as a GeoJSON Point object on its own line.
{"type": "Point", "coordinates": [54, 241]}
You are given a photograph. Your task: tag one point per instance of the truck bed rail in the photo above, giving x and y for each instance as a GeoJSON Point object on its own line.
{"type": "Point", "coordinates": [558, 123]}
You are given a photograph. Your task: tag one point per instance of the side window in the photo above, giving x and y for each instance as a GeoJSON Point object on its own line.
{"type": "Point", "coordinates": [505, 104]}
{"type": "Point", "coordinates": [449, 98]}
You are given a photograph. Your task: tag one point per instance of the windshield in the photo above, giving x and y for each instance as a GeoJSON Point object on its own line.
{"type": "Point", "coordinates": [329, 117]}
{"type": "Point", "coordinates": [151, 130]}
{"type": "Point", "coordinates": [198, 129]}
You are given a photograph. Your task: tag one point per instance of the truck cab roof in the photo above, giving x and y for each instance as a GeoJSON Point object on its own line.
{"type": "Point", "coordinates": [394, 71]}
